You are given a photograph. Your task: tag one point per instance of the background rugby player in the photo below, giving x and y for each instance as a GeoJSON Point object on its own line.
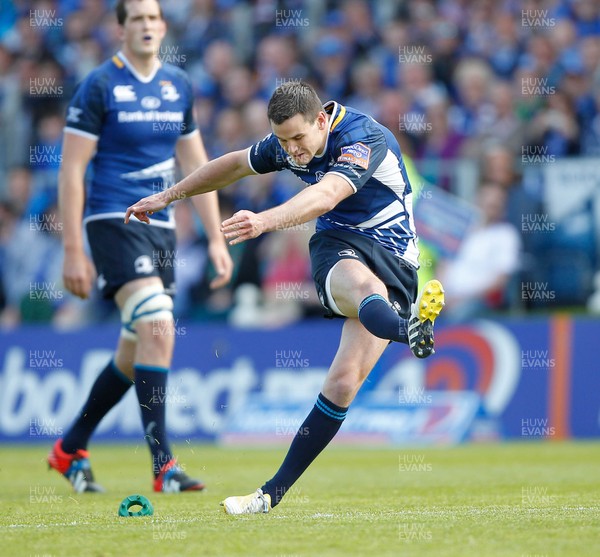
{"type": "Point", "coordinates": [131, 118]}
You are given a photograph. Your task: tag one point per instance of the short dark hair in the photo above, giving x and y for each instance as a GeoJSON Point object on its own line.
{"type": "Point", "coordinates": [291, 98]}
{"type": "Point", "coordinates": [121, 10]}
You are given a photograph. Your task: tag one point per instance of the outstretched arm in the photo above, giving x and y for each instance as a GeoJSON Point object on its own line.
{"type": "Point", "coordinates": [310, 203]}
{"type": "Point", "coordinates": [214, 175]}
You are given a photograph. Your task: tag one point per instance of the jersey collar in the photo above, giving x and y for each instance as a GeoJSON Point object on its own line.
{"type": "Point", "coordinates": [336, 113]}
{"type": "Point", "coordinates": [136, 74]}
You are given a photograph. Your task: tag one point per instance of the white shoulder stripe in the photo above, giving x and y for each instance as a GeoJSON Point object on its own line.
{"type": "Point", "coordinates": [345, 178]}
{"type": "Point", "coordinates": [189, 135]}
{"type": "Point", "coordinates": [75, 131]}
{"type": "Point", "coordinates": [250, 162]}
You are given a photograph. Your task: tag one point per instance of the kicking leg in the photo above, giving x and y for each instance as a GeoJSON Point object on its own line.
{"type": "Point", "coordinates": [358, 352]}
{"type": "Point", "coordinates": [357, 292]}
{"type": "Point", "coordinates": [367, 298]}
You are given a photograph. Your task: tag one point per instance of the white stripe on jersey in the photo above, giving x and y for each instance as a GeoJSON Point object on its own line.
{"type": "Point", "coordinates": [75, 131]}
{"type": "Point", "coordinates": [249, 161]}
{"type": "Point", "coordinates": [412, 250]}
{"type": "Point", "coordinates": [352, 185]}
{"type": "Point", "coordinates": [189, 135]}
{"type": "Point", "coordinates": [392, 211]}
{"type": "Point", "coordinates": [159, 170]}
{"type": "Point", "coordinates": [389, 174]}
{"type": "Point", "coordinates": [116, 215]}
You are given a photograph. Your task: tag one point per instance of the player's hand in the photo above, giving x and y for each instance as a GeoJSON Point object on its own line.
{"type": "Point", "coordinates": [146, 207]}
{"type": "Point", "coordinates": [78, 273]}
{"type": "Point", "coordinates": [242, 226]}
{"type": "Point", "coordinates": [222, 262]}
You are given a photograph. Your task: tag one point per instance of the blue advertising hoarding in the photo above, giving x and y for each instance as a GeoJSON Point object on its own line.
{"type": "Point", "coordinates": [534, 378]}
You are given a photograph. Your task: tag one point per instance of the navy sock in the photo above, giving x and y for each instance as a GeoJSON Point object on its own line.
{"type": "Point", "coordinates": [381, 320]}
{"type": "Point", "coordinates": [315, 433]}
{"type": "Point", "coordinates": [151, 389]}
{"type": "Point", "coordinates": [107, 390]}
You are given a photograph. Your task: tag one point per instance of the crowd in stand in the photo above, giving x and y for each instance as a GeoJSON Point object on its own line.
{"type": "Point", "coordinates": [499, 83]}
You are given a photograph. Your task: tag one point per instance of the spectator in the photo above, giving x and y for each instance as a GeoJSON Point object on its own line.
{"type": "Point", "coordinates": [239, 87]}
{"type": "Point", "coordinates": [479, 30]}
{"type": "Point", "coordinates": [205, 25]}
{"type": "Point", "coordinates": [422, 15]}
{"type": "Point", "coordinates": [287, 283]}
{"type": "Point", "coordinates": [477, 279]}
{"type": "Point", "coordinates": [19, 189]}
{"type": "Point", "coordinates": [276, 62]}
{"type": "Point", "coordinates": [540, 55]}
{"type": "Point", "coordinates": [9, 217]}
{"type": "Point", "coordinates": [331, 61]}
{"type": "Point", "coordinates": [80, 53]}
{"type": "Point", "coordinates": [230, 134]}
{"type": "Point", "coordinates": [8, 15]}
{"type": "Point", "coordinates": [440, 144]}
{"type": "Point", "coordinates": [446, 53]}
{"type": "Point", "coordinates": [256, 123]}
{"type": "Point", "coordinates": [526, 83]}
{"type": "Point", "coordinates": [564, 40]}
{"type": "Point", "coordinates": [504, 126]}
{"type": "Point", "coordinates": [32, 273]}
{"type": "Point", "coordinates": [393, 105]}
{"type": "Point", "coordinates": [584, 13]}
{"type": "Point", "coordinates": [449, 78]}
{"type": "Point", "coordinates": [417, 81]}
{"type": "Point", "coordinates": [555, 128]}
{"type": "Point", "coordinates": [590, 140]}
{"type": "Point", "coordinates": [590, 56]}
{"type": "Point", "coordinates": [359, 18]}
{"type": "Point", "coordinates": [366, 83]}
{"type": "Point", "coordinates": [473, 112]}
{"type": "Point", "coordinates": [395, 35]}
{"type": "Point", "coordinates": [505, 45]}
{"type": "Point", "coordinates": [190, 261]}
{"type": "Point", "coordinates": [498, 167]}
{"type": "Point", "coordinates": [218, 61]}
{"type": "Point", "coordinates": [45, 153]}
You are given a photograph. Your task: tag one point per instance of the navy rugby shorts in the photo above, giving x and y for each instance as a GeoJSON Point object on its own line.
{"type": "Point", "coordinates": [125, 252]}
{"type": "Point", "coordinates": [327, 247]}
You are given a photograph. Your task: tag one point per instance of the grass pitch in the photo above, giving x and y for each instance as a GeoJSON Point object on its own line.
{"type": "Point", "coordinates": [517, 500]}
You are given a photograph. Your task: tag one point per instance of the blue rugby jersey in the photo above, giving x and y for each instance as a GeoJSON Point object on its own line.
{"type": "Point", "coordinates": [137, 121]}
{"type": "Point", "coordinates": [367, 155]}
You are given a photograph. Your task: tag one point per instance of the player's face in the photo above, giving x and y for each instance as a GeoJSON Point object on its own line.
{"type": "Point", "coordinates": [301, 139]}
{"type": "Point", "coordinates": [143, 29]}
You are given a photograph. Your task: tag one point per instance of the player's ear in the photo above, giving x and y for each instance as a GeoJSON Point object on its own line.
{"type": "Point", "coordinates": [321, 120]}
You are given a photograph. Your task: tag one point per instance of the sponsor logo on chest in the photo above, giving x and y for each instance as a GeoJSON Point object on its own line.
{"type": "Point", "coordinates": [147, 109]}
{"type": "Point", "coordinates": [124, 93]}
{"type": "Point", "coordinates": [150, 103]}
{"type": "Point", "coordinates": [168, 91]}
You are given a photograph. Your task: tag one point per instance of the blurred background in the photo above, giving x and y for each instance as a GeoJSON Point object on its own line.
{"type": "Point", "coordinates": [496, 106]}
